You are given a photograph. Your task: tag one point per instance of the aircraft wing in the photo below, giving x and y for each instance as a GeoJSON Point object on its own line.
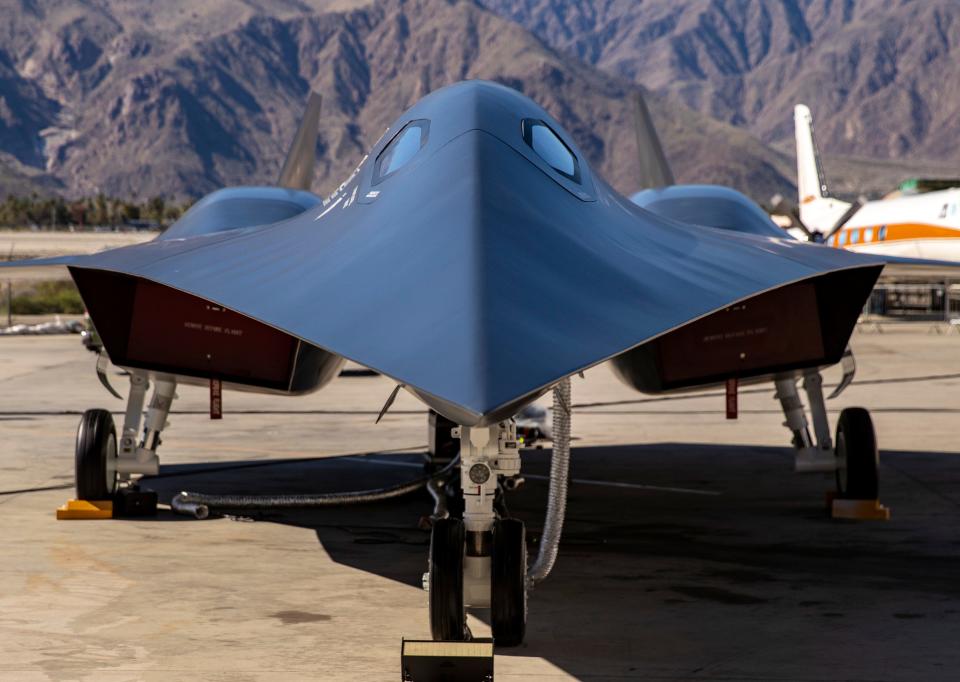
{"type": "Point", "coordinates": [475, 275]}
{"type": "Point", "coordinates": [897, 267]}
{"type": "Point", "coordinates": [39, 268]}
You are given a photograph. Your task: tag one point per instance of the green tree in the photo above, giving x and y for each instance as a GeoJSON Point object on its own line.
{"type": "Point", "coordinates": [100, 215]}
{"type": "Point", "coordinates": [155, 208]}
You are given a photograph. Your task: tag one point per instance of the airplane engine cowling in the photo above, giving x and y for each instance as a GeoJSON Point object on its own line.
{"type": "Point", "coordinates": [149, 326]}
{"type": "Point", "coordinates": [235, 208]}
{"type": "Point", "coordinates": [803, 324]}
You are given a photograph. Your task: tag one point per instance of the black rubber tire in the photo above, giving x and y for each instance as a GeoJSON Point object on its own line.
{"type": "Point", "coordinates": [448, 620]}
{"type": "Point", "coordinates": [96, 442]}
{"type": "Point", "coordinates": [508, 588]}
{"type": "Point", "coordinates": [857, 443]}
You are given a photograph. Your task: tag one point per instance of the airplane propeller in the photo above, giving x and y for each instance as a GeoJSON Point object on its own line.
{"type": "Point", "coordinates": [780, 205]}
{"type": "Point", "coordinates": [845, 218]}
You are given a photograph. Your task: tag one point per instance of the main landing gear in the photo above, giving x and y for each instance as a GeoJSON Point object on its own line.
{"type": "Point", "coordinates": [853, 455]}
{"type": "Point", "coordinates": [481, 560]}
{"type": "Point", "coordinates": [96, 456]}
{"type": "Point", "coordinates": [857, 456]}
{"type": "Point", "coordinates": [104, 465]}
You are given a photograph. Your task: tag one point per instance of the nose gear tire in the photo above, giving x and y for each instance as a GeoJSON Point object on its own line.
{"type": "Point", "coordinates": [448, 620]}
{"type": "Point", "coordinates": [508, 589]}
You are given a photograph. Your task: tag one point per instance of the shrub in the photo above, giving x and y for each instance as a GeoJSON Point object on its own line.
{"type": "Point", "coordinates": [47, 298]}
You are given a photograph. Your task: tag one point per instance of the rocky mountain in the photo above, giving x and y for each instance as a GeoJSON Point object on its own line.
{"type": "Point", "coordinates": [15, 178]}
{"type": "Point", "coordinates": [880, 77]}
{"type": "Point", "coordinates": [133, 97]}
{"type": "Point", "coordinates": [123, 98]}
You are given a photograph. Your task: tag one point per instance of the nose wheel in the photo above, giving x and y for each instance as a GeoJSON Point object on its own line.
{"type": "Point", "coordinates": [858, 475]}
{"type": "Point", "coordinates": [508, 586]}
{"type": "Point", "coordinates": [96, 456]}
{"type": "Point", "coordinates": [448, 620]}
{"type": "Point", "coordinates": [480, 560]}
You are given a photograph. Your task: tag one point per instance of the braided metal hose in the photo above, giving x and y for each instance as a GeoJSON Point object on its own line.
{"type": "Point", "coordinates": [199, 504]}
{"type": "Point", "coordinates": [559, 477]}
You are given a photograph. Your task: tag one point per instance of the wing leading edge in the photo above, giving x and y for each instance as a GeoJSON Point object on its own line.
{"type": "Point", "coordinates": [433, 276]}
{"type": "Point", "coordinates": [476, 274]}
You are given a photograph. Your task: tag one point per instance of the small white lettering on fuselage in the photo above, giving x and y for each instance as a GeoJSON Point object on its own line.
{"type": "Point", "coordinates": [213, 328]}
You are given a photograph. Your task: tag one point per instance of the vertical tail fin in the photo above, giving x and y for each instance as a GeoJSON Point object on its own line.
{"type": "Point", "coordinates": [654, 169]}
{"type": "Point", "coordinates": [810, 182]}
{"type": "Point", "coordinates": [298, 169]}
{"type": "Point", "coordinates": [817, 209]}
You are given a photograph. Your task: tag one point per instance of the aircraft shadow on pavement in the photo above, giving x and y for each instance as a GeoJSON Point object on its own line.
{"type": "Point", "coordinates": [705, 531]}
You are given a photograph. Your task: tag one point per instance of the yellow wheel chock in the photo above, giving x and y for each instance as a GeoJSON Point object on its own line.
{"type": "Point", "coordinates": [85, 509]}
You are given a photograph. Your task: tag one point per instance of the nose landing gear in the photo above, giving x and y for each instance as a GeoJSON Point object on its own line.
{"type": "Point", "coordinates": [448, 620]}
{"type": "Point", "coordinates": [508, 585]}
{"type": "Point", "coordinates": [480, 561]}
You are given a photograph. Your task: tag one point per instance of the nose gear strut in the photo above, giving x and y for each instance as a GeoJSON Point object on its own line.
{"type": "Point", "coordinates": [481, 561]}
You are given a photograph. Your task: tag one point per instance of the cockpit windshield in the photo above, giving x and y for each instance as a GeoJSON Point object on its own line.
{"type": "Point", "coordinates": [402, 148]}
{"type": "Point", "coordinates": [551, 148]}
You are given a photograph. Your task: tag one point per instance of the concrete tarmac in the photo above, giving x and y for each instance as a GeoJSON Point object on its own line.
{"type": "Point", "coordinates": [715, 562]}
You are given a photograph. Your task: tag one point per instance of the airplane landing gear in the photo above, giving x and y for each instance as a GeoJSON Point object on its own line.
{"type": "Point", "coordinates": [857, 456]}
{"type": "Point", "coordinates": [96, 456]}
{"type": "Point", "coordinates": [507, 589]}
{"type": "Point", "coordinates": [508, 597]}
{"type": "Point", "coordinates": [480, 561]}
{"type": "Point", "coordinates": [448, 620]}
{"type": "Point", "coordinates": [812, 453]}
{"type": "Point", "coordinates": [104, 463]}
{"type": "Point", "coordinates": [852, 456]}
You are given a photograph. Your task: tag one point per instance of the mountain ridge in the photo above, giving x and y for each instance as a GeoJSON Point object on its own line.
{"type": "Point", "coordinates": [126, 99]}
{"type": "Point", "coordinates": [877, 76]}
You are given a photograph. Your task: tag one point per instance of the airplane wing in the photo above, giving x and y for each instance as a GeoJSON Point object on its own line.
{"type": "Point", "coordinates": [898, 267]}
{"type": "Point", "coordinates": [430, 273]}
{"type": "Point", "coordinates": [40, 268]}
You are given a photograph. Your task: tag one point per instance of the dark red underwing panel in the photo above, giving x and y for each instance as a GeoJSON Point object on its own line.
{"type": "Point", "coordinates": [776, 328]}
{"type": "Point", "coordinates": [800, 325]}
{"type": "Point", "coordinates": [154, 327]}
{"type": "Point", "coordinates": [171, 328]}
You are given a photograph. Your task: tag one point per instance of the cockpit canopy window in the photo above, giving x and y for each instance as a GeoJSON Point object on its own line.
{"type": "Point", "coordinates": [402, 148]}
{"type": "Point", "coordinates": [549, 147]}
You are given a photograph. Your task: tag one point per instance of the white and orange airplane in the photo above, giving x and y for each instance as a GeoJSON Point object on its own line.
{"type": "Point", "coordinates": [913, 226]}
